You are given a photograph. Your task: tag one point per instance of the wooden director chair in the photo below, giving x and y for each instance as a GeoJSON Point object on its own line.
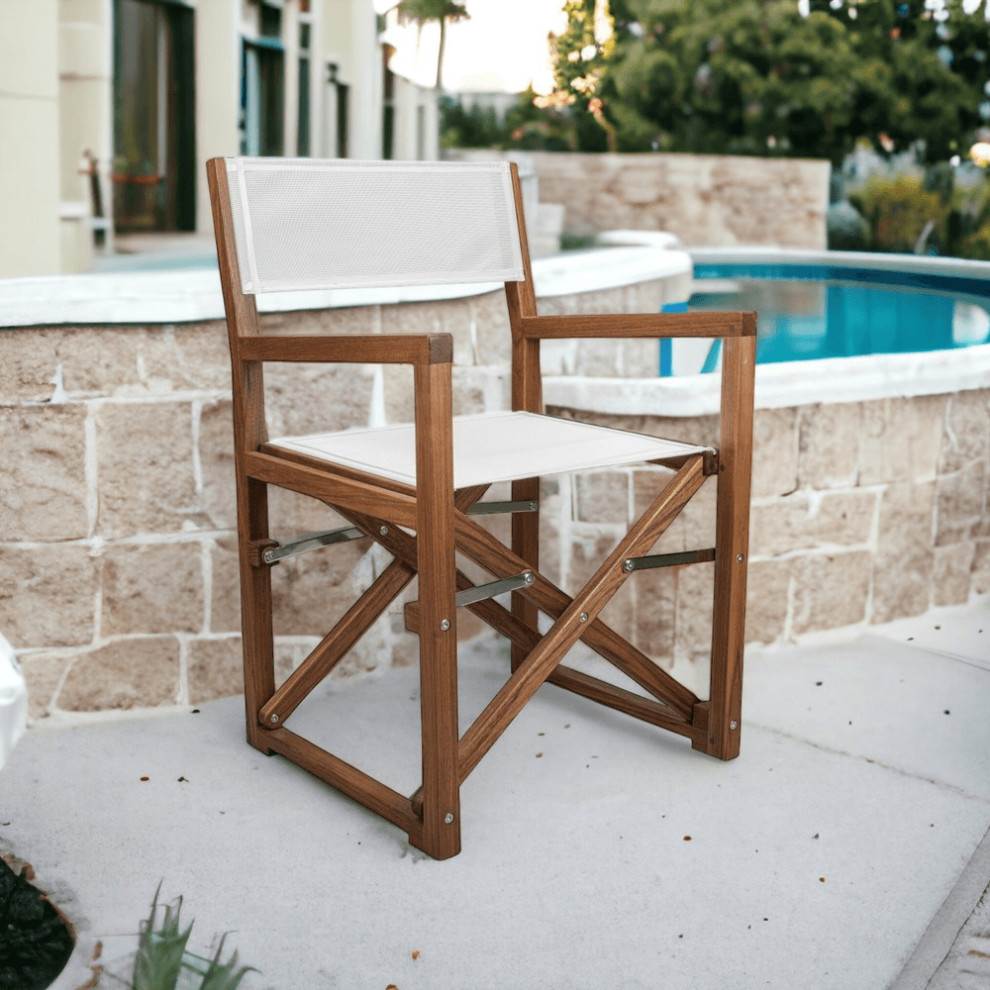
{"type": "Point", "coordinates": [286, 224]}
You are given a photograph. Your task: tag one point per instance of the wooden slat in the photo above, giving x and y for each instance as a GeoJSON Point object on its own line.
{"type": "Point", "coordinates": [336, 644]}
{"type": "Point", "coordinates": [332, 488]}
{"type": "Point", "coordinates": [338, 470]}
{"type": "Point", "coordinates": [656, 713]}
{"type": "Point", "coordinates": [375, 348]}
{"type": "Point", "coordinates": [397, 542]}
{"type": "Point", "coordinates": [527, 396]}
{"type": "Point", "coordinates": [356, 784]}
{"type": "Point", "coordinates": [242, 315]}
{"type": "Point", "coordinates": [609, 577]}
{"type": "Point", "coordinates": [247, 388]}
{"type": "Point", "coordinates": [434, 524]}
{"type": "Point", "coordinates": [729, 324]}
{"type": "Point", "coordinates": [483, 548]}
{"type": "Point", "coordinates": [732, 543]}
{"type": "Point", "coordinates": [620, 699]}
{"type": "Point", "coordinates": [520, 296]}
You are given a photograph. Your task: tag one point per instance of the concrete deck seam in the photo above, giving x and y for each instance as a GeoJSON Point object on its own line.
{"type": "Point", "coordinates": [936, 943]}
{"type": "Point", "coordinates": [945, 785]}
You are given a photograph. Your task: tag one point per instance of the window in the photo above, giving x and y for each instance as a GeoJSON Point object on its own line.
{"type": "Point", "coordinates": [305, 74]}
{"type": "Point", "coordinates": [154, 169]}
{"type": "Point", "coordinates": [262, 97]}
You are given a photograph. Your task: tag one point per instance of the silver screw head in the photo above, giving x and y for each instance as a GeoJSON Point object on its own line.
{"type": "Point", "coordinates": [273, 718]}
{"type": "Point", "coordinates": [383, 531]}
{"type": "Point", "coordinates": [445, 625]}
{"type": "Point", "coordinates": [448, 819]}
{"type": "Point", "coordinates": [740, 557]}
{"type": "Point", "coordinates": [733, 725]}
{"type": "Point", "coordinates": [627, 566]}
{"type": "Point", "coordinates": [583, 616]}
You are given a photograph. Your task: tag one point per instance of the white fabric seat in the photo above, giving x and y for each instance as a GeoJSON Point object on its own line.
{"type": "Point", "coordinates": [489, 447]}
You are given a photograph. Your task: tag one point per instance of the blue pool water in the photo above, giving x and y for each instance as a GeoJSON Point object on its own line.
{"type": "Point", "coordinates": [821, 311]}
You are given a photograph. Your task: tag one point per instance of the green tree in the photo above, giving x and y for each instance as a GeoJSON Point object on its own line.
{"type": "Point", "coordinates": [760, 77]}
{"type": "Point", "coordinates": [442, 11]}
{"type": "Point", "coordinates": [581, 55]}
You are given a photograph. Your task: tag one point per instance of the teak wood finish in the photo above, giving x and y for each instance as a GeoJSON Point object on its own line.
{"type": "Point", "coordinates": [435, 523]}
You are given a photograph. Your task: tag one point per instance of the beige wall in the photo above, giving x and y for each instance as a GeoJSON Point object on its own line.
{"type": "Point", "coordinates": [85, 57]}
{"type": "Point", "coordinates": [30, 240]}
{"type": "Point", "coordinates": [417, 122]}
{"type": "Point", "coordinates": [218, 70]}
{"type": "Point", "coordinates": [349, 38]}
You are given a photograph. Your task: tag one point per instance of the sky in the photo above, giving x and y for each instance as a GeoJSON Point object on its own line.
{"type": "Point", "coordinates": [503, 46]}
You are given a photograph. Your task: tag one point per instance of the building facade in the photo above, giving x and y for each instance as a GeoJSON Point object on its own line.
{"type": "Point", "coordinates": [110, 108]}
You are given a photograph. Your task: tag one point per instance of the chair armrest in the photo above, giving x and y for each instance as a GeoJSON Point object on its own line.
{"type": "Point", "coordinates": [423, 348]}
{"type": "Point", "coordinates": [718, 324]}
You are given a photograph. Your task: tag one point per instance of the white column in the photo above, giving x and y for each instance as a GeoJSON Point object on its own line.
{"type": "Point", "coordinates": [218, 72]}
{"type": "Point", "coordinates": [29, 141]}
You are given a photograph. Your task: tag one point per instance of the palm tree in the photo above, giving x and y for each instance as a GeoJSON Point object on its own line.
{"type": "Point", "coordinates": [424, 11]}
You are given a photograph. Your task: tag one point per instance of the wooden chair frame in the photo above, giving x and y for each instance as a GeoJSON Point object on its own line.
{"type": "Point", "coordinates": [438, 516]}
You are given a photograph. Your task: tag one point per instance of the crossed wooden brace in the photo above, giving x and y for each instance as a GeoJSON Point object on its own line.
{"type": "Point", "coordinates": [675, 707]}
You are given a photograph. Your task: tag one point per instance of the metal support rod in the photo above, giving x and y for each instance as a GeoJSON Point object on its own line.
{"type": "Point", "coordinates": [313, 541]}
{"type": "Point", "coordinates": [482, 591]}
{"type": "Point", "coordinates": [493, 508]}
{"type": "Point", "coordinates": [668, 559]}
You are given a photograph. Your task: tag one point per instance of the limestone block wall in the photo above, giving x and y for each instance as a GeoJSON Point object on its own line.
{"type": "Point", "coordinates": [119, 581]}
{"type": "Point", "coordinates": [118, 555]}
{"type": "Point", "coordinates": [717, 200]}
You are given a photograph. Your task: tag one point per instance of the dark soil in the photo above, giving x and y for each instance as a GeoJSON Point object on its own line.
{"type": "Point", "coordinates": [35, 940]}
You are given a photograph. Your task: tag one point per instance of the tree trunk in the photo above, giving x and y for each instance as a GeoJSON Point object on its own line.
{"type": "Point", "coordinates": [438, 86]}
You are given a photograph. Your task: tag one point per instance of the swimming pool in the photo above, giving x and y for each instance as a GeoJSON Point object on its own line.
{"type": "Point", "coordinates": [815, 311]}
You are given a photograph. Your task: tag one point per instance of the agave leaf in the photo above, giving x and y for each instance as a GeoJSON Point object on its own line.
{"type": "Point", "coordinates": [159, 955]}
{"type": "Point", "coordinates": [223, 976]}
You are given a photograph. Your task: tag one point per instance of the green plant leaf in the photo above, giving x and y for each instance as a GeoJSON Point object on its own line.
{"type": "Point", "coordinates": [159, 955]}
{"type": "Point", "coordinates": [223, 976]}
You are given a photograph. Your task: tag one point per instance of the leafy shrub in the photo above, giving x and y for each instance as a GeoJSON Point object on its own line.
{"type": "Point", "coordinates": [977, 245]}
{"type": "Point", "coordinates": [162, 959]}
{"type": "Point", "coordinates": [898, 211]}
{"type": "Point", "coordinates": [847, 230]}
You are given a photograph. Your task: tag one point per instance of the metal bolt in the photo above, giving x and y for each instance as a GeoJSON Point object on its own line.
{"type": "Point", "coordinates": [528, 577]}
{"type": "Point", "coordinates": [740, 557]}
{"type": "Point", "coordinates": [448, 819]}
{"type": "Point", "coordinates": [583, 616]}
{"type": "Point", "coordinates": [444, 625]}
{"type": "Point", "coordinates": [627, 566]}
{"type": "Point", "coordinates": [383, 531]}
{"type": "Point", "coordinates": [733, 725]}
{"type": "Point", "coordinates": [273, 718]}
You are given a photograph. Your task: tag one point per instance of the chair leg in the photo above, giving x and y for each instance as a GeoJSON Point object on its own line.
{"type": "Point", "coordinates": [441, 834]}
{"type": "Point", "coordinates": [724, 708]}
{"type": "Point", "coordinates": [256, 610]}
{"type": "Point", "coordinates": [436, 566]}
{"type": "Point", "coordinates": [525, 544]}
{"type": "Point", "coordinates": [732, 540]}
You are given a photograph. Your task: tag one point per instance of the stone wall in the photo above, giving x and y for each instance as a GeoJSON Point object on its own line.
{"type": "Point", "coordinates": [117, 509]}
{"type": "Point", "coordinates": [117, 505]}
{"type": "Point", "coordinates": [719, 200]}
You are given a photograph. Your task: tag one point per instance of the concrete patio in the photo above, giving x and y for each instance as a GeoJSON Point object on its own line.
{"type": "Point", "coordinates": [846, 848]}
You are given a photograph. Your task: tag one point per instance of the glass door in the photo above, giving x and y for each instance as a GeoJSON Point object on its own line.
{"type": "Point", "coordinates": [154, 116]}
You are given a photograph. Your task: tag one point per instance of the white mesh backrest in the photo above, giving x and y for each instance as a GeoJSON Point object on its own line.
{"type": "Point", "coordinates": [334, 223]}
